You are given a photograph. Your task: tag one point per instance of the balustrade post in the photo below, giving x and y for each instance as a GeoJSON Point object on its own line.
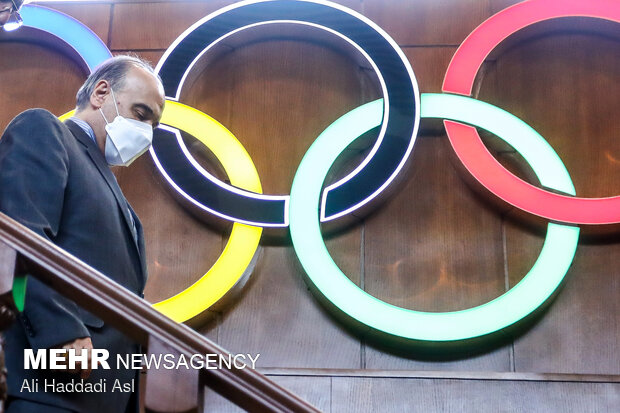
{"type": "Point", "coordinates": [171, 390]}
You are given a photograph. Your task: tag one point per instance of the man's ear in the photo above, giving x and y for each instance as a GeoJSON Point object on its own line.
{"type": "Point", "coordinates": [100, 93]}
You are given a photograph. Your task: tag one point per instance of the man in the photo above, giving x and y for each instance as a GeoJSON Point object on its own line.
{"type": "Point", "coordinates": [8, 9]}
{"type": "Point", "coordinates": [55, 179]}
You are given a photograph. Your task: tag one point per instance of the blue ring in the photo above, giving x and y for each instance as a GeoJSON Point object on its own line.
{"type": "Point", "coordinates": [89, 47]}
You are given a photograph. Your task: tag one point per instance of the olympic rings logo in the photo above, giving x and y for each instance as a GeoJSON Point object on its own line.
{"type": "Point", "coordinates": [397, 116]}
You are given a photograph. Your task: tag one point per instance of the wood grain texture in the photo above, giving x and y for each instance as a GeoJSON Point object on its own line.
{"type": "Point", "coordinates": [279, 318]}
{"type": "Point", "coordinates": [560, 85]}
{"type": "Point", "coordinates": [497, 359]}
{"type": "Point", "coordinates": [579, 332]}
{"type": "Point", "coordinates": [428, 263]}
{"type": "Point", "coordinates": [95, 16]}
{"type": "Point", "coordinates": [429, 65]}
{"type": "Point", "coordinates": [410, 395]}
{"type": "Point", "coordinates": [429, 23]}
{"type": "Point", "coordinates": [161, 23]}
{"type": "Point", "coordinates": [564, 93]}
{"type": "Point", "coordinates": [276, 96]}
{"type": "Point", "coordinates": [435, 245]}
{"type": "Point", "coordinates": [171, 391]}
{"type": "Point", "coordinates": [36, 77]}
{"type": "Point", "coordinates": [315, 390]}
{"type": "Point", "coordinates": [174, 262]}
{"type": "Point", "coordinates": [443, 375]}
{"type": "Point", "coordinates": [499, 5]}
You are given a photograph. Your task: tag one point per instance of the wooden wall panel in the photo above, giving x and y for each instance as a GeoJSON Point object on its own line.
{"type": "Point", "coordinates": [499, 5]}
{"type": "Point", "coordinates": [159, 33]}
{"type": "Point", "coordinates": [429, 23]}
{"type": "Point", "coordinates": [579, 332]}
{"type": "Point", "coordinates": [435, 245]}
{"type": "Point", "coordinates": [36, 77]}
{"type": "Point", "coordinates": [563, 93]}
{"type": "Point", "coordinates": [496, 359]}
{"type": "Point", "coordinates": [428, 263]}
{"type": "Point", "coordinates": [429, 65]}
{"type": "Point", "coordinates": [582, 324]}
{"type": "Point", "coordinates": [315, 390]}
{"type": "Point", "coordinates": [176, 262]}
{"type": "Point", "coordinates": [253, 86]}
{"type": "Point", "coordinates": [476, 396]}
{"type": "Point", "coordinates": [282, 96]}
{"type": "Point", "coordinates": [95, 16]}
{"type": "Point", "coordinates": [281, 321]}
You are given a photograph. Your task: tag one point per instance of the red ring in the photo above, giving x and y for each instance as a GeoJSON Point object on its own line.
{"type": "Point", "coordinates": [465, 139]}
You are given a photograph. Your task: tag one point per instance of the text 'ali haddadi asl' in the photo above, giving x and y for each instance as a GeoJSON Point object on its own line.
{"type": "Point", "coordinates": [77, 386]}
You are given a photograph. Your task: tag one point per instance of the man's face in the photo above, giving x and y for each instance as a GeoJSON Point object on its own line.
{"type": "Point", "coordinates": [7, 7]}
{"type": "Point", "coordinates": [141, 98]}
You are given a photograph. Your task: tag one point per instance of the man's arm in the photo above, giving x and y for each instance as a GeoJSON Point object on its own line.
{"type": "Point", "coordinates": [34, 168]}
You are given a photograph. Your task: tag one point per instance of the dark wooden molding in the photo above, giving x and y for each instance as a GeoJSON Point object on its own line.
{"type": "Point", "coordinates": [453, 375]}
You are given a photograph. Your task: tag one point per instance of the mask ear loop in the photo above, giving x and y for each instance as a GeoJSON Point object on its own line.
{"type": "Point", "coordinates": [114, 100]}
{"type": "Point", "coordinates": [116, 107]}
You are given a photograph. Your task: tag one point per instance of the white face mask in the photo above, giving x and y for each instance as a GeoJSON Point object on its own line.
{"type": "Point", "coordinates": [127, 139]}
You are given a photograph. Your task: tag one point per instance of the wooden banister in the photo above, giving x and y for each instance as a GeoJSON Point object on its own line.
{"type": "Point", "coordinates": [98, 294]}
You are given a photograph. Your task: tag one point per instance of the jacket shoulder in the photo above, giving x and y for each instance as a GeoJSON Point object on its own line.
{"type": "Point", "coordinates": [37, 115]}
{"type": "Point", "coordinates": [33, 122]}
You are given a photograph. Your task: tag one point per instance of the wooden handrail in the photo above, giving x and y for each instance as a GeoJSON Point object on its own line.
{"type": "Point", "coordinates": [117, 306]}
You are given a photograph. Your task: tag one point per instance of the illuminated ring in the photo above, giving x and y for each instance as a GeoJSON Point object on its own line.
{"type": "Point", "coordinates": [241, 250]}
{"type": "Point", "coordinates": [400, 91]}
{"type": "Point", "coordinates": [466, 141]}
{"type": "Point", "coordinates": [521, 300]}
{"type": "Point", "coordinates": [88, 46]}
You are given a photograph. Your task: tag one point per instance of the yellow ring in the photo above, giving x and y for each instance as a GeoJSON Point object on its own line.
{"type": "Point", "coordinates": [244, 239]}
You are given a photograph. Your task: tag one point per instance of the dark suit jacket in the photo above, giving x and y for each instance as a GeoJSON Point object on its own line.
{"type": "Point", "coordinates": [55, 180]}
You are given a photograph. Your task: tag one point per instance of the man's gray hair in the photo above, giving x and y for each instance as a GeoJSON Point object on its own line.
{"type": "Point", "coordinates": [114, 70]}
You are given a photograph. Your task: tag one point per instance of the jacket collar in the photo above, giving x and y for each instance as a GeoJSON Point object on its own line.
{"type": "Point", "coordinates": [82, 137]}
{"type": "Point", "coordinates": [99, 160]}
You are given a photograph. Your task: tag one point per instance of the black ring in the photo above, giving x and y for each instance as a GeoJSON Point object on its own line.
{"type": "Point", "coordinates": [392, 68]}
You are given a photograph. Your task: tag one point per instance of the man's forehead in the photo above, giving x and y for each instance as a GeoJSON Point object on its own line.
{"type": "Point", "coordinates": [139, 73]}
{"type": "Point", "coordinates": [145, 85]}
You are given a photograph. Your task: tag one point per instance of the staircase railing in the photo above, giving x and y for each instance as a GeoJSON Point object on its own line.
{"type": "Point", "coordinates": [24, 252]}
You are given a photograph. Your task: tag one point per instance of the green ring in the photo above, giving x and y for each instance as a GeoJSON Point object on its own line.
{"type": "Point", "coordinates": [521, 300]}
